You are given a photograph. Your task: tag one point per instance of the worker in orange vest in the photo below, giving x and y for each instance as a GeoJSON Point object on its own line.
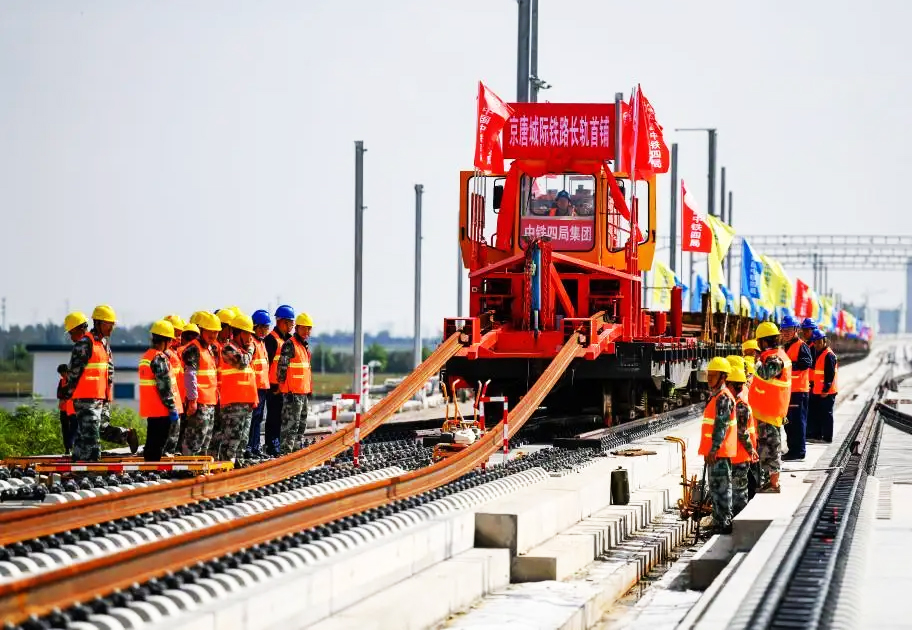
{"type": "Point", "coordinates": [746, 455]}
{"type": "Point", "coordinates": [718, 443]}
{"type": "Point", "coordinates": [237, 391]}
{"type": "Point", "coordinates": [158, 395]}
{"type": "Point", "coordinates": [770, 391]}
{"type": "Point", "coordinates": [295, 382]}
{"type": "Point", "coordinates": [824, 387]}
{"type": "Point", "coordinates": [751, 351]}
{"type": "Point", "coordinates": [201, 381]}
{"type": "Point", "coordinates": [800, 355]}
{"type": "Point", "coordinates": [67, 415]}
{"type": "Point", "coordinates": [284, 326]}
{"type": "Point", "coordinates": [261, 323]}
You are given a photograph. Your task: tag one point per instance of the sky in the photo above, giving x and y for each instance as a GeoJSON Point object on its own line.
{"type": "Point", "coordinates": [179, 155]}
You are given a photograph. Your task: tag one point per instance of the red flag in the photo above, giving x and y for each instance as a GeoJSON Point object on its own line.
{"type": "Point", "coordinates": [697, 235]}
{"type": "Point", "coordinates": [802, 299]}
{"type": "Point", "coordinates": [492, 115]}
{"type": "Point", "coordinates": [642, 128]}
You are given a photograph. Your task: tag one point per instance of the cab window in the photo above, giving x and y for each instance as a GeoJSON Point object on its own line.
{"type": "Point", "coordinates": [617, 226]}
{"type": "Point", "coordinates": [561, 207]}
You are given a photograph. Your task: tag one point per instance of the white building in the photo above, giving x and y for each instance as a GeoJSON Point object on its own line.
{"type": "Point", "coordinates": [48, 357]}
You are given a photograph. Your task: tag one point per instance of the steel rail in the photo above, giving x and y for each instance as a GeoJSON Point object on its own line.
{"type": "Point", "coordinates": [58, 589]}
{"type": "Point", "coordinates": [22, 525]}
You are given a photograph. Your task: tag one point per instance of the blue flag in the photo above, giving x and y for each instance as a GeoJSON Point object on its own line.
{"type": "Point", "coordinates": [751, 271]}
{"type": "Point", "coordinates": [696, 298]}
{"type": "Point", "coordinates": [729, 298]}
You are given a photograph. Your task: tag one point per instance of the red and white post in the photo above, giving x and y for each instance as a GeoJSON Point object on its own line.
{"type": "Point", "coordinates": [365, 386]}
{"type": "Point", "coordinates": [356, 447]}
{"type": "Point", "coordinates": [334, 417]}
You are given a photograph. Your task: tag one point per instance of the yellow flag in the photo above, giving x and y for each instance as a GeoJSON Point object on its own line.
{"type": "Point", "coordinates": [663, 282]}
{"type": "Point", "coordinates": [781, 292]}
{"type": "Point", "coordinates": [827, 315]}
{"type": "Point", "coordinates": [718, 298]}
{"type": "Point", "coordinates": [722, 234]}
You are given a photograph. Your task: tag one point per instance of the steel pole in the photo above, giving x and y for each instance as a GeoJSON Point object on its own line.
{"type": "Point", "coordinates": [522, 52]}
{"type": "Point", "coordinates": [722, 197]}
{"type": "Point", "coordinates": [419, 190]}
{"type": "Point", "coordinates": [358, 355]}
{"type": "Point", "coordinates": [673, 232]}
{"type": "Point", "coordinates": [533, 53]}
{"type": "Point", "coordinates": [728, 269]}
{"type": "Point", "coordinates": [711, 193]}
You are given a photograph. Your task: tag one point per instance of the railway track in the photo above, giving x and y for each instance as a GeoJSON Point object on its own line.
{"type": "Point", "coordinates": [799, 586]}
{"type": "Point", "coordinates": [286, 524]}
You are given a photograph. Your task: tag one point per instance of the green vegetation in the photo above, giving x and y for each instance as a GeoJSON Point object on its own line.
{"type": "Point", "coordinates": [35, 430]}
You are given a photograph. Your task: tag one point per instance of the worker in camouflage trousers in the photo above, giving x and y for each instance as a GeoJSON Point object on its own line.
{"type": "Point", "coordinates": [103, 317]}
{"type": "Point", "coordinates": [718, 443]}
{"type": "Point", "coordinates": [201, 383]}
{"type": "Point", "coordinates": [295, 383]}
{"type": "Point", "coordinates": [770, 392]}
{"type": "Point", "coordinates": [158, 397]}
{"type": "Point", "coordinates": [237, 390]}
{"type": "Point", "coordinates": [746, 456]}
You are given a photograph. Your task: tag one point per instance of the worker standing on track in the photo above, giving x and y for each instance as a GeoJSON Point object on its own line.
{"type": "Point", "coordinates": [808, 326]}
{"type": "Point", "coordinates": [158, 397]}
{"type": "Point", "coordinates": [76, 325]}
{"type": "Point", "coordinates": [751, 350]}
{"type": "Point", "coordinates": [718, 443]}
{"type": "Point", "coordinates": [769, 400]}
{"type": "Point", "coordinates": [824, 388]}
{"type": "Point", "coordinates": [237, 391]}
{"type": "Point", "coordinates": [802, 362]}
{"type": "Point", "coordinates": [261, 323]}
{"type": "Point", "coordinates": [104, 321]}
{"type": "Point", "coordinates": [200, 376]}
{"type": "Point", "coordinates": [177, 373]}
{"type": "Point", "coordinates": [295, 382]}
{"type": "Point", "coordinates": [190, 333]}
{"type": "Point", "coordinates": [746, 455]}
{"type": "Point", "coordinates": [65, 407]}
{"type": "Point", "coordinates": [285, 318]}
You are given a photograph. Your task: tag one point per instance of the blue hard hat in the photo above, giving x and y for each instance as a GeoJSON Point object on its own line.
{"type": "Point", "coordinates": [261, 318]}
{"type": "Point", "coordinates": [817, 335]}
{"type": "Point", "coordinates": [285, 312]}
{"type": "Point", "coordinates": [808, 324]}
{"type": "Point", "coordinates": [563, 195]}
{"type": "Point", "coordinates": [788, 322]}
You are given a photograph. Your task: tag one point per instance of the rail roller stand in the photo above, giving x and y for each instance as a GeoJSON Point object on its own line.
{"type": "Point", "coordinates": [703, 504]}
{"type": "Point", "coordinates": [693, 502]}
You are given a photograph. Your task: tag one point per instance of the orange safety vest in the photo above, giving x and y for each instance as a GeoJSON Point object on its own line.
{"type": "Point", "coordinates": [801, 379]}
{"type": "Point", "coordinates": [66, 406]}
{"type": "Point", "coordinates": [177, 378]}
{"type": "Point", "coordinates": [730, 442]}
{"type": "Point", "coordinates": [817, 387]}
{"type": "Point", "coordinates": [260, 364]}
{"type": "Point", "coordinates": [93, 384]}
{"type": "Point", "coordinates": [236, 385]}
{"type": "Point", "coordinates": [742, 456]}
{"type": "Point", "coordinates": [206, 376]}
{"type": "Point", "coordinates": [150, 403]}
{"type": "Point", "coordinates": [298, 377]}
{"type": "Point", "coordinates": [769, 399]}
{"type": "Point", "coordinates": [274, 366]}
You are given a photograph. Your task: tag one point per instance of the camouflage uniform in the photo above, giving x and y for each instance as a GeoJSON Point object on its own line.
{"type": "Point", "coordinates": [198, 426]}
{"type": "Point", "coordinates": [741, 472]}
{"type": "Point", "coordinates": [159, 428]}
{"type": "Point", "coordinates": [86, 441]}
{"type": "Point", "coordinates": [230, 436]}
{"type": "Point", "coordinates": [769, 440]}
{"type": "Point", "coordinates": [294, 406]}
{"type": "Point", "coordinates": [107, 431]}
{"type": "Point", "coordinates": [720, 471]}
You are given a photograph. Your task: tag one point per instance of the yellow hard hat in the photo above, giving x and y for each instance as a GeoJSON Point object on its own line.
{"type": "Point", "coordinates": [736, 361]}
{"type": "Point", "coordinates": [767, 329]}
{"type": "Point", "coordinates": [191, 328]}
{"type": "Point", "coordinates": [718, 364]}
{"type": "Point", "coordinates": [304, 319]}
{"type": "Point", "coordinates": [162, 328]}
{"type": "Point", "coordinates": [74, 320]}
{"type": "Point", "coordinates": [736, 376]}
{"type": "Point", "coordinates": [750, 344]}
{"type": "Point", "coordinates": [176, 321]}
{"type": "Point", "coordinates": [750, 367]}
{"type": "Point", "coordinates": [194, 319]}
{"type": "Point", "coordinates": [226, 315]}
{"type": "Point", "coordinates": [243, 322]}
{"type": "Point", "coordinates": [104, 313]}
{"type": "Point", "coordinates": [208, 321]}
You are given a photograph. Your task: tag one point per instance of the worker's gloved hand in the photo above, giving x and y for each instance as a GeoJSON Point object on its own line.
{"type": "Point", "coordinates": [173, 417]}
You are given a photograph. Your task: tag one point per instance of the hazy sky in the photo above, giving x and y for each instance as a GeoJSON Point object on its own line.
{"type": "Point", "coordinates": [170, 156]}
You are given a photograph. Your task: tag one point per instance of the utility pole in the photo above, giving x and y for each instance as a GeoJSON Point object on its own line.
{"type": "Point", "coordinates": [731, 223]}
{"type": "Point", "coordinates": [711, 197]}
{"type": "Point", "coordinates": [419, 190]}
{"type": "Point", "coordinates": [358, 356]}
{"type": "Point", "coordinates": [722, 198]}
{"type": "Point", "coordinates": [672, 256]}
{"type": "Point", "coordinates": [523, 51]}
{"type": "Point", "coordinates": [535, 84]}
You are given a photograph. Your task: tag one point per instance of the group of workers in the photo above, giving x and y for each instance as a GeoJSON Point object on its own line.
{"type": "Point", "coordinates": [787, 378]}
{"type": "Point", "coordinates": [205, 386]}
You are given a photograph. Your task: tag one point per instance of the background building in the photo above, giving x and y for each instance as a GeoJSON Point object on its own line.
{"type": "Point", "coordinates": [47, 357]}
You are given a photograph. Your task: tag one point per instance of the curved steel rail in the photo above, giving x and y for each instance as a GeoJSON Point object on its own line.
{"type": "Point", "coordinates": [21, 525]}
{"type": "Point", "coordinates": [63, 587]}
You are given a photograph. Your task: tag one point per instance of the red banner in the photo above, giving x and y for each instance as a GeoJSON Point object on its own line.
{"type": "Point", "coordinates": [651, 150]}
{"type": "Point", "coordinates": [802, 299]}
{"type": "Point", "coordinates": [567, 234]}
{"type": "Point", "coordinates": [697, 235]}
{"type": "Point", "coordinates": [583, 131]}
{"type": "Point", "coordinates": [492, 114]}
